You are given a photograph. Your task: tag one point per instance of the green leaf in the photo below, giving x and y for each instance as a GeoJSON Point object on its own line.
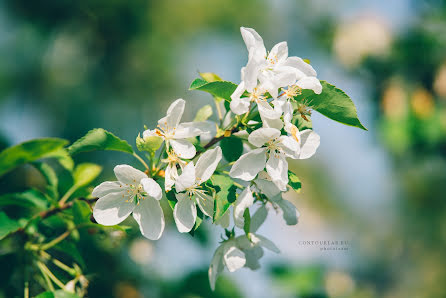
{"type": "Point", "coordinates": [81, 212]}
{"type": "Point", "coordinates": [334, 104]}
{"type": "Point", "coordinates": [71, 250]}
{"type": "Point", "coordinates": [232, 148]}
{"type": "Point", "coordinates": [64, 158]}
{"type": "Point", "coordinates": [198, 222]}
{"type": "Point", "coordinates": [57, 294]}
{"type": "Point", "coordinates": [222, 203]}
{"type": "Point", "coordinates": [31, 198]}
{"type": "Point", "coordinates": [210, 76]}
{"type": "Point", "coordinates": [294, 181]}
{"type": "Point", "coordinates": [50, 178]}
{"type": "Point", "coordinates": [7, 225]}
{"type": "Point", "coordinates": [203, 114]}
{"type": "Point", "coordinates": [99, 139]}
{"type": "Point", "coordinates": [170, 195]}
{"type": "Point", "coordinates": [247, 218]}
{"type": "Point", "coordinates": [85, 173]}
{"type": "Point", "coordinates": [223, 89]}
{"type": "Point", "coordinates": [29, 151]}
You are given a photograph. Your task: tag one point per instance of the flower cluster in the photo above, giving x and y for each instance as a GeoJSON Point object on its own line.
{"type": "Point", "coordinates": [185, 170]}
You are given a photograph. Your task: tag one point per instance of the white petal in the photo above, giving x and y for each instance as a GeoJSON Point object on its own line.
{"type": "Point", "coordinates": [206, 164]}
{"type": "Point", "coordinates": [183, 148]}
{"type": "Point", "coordinates": [234, 258]}
{"type": "Point", "coordinates": [268, 188]}
{"type": "Point", "coordinates": [263, 135]}
{"type": "Point", "coordinates": [301, 65]}
{"type": "Point", "coordinates": [277, 168]}
{"type": "Point", "coordinates": [224, 220]}
{"type": "Point", "coordinates": [279, 52]}
{"type": "Point", "coordinates": [192, 129]}
{"type": "Point", "coordinates": [272, 123]}
{"type": "Point", "coordinates": [239, 106]}
{"type": "Point", "coordinates": [206, 204]}
{"type": "Point", "coordinates": [112, 209]}
{"type": "Point", "coordinates": [267, 111]}
{"type": "Point", "coordinates": [250, 72]}
{"type": "Point", "coordinates": [171, 174]}
{"type": "Point", "coordinates": [149, 133]}
{"type": "Point", "coordinates": [150, 218]}
{"type": "Point", "coordinates": [309, 143]}
{"type": "Point", "coordinates": [253, 256]}
{"type": "Point", "coordinates": [264, 242]}
{"type": "Point", "coordinates": [129, 175]}
{"type": "Point", "coordinates": [173, 115]}
{"type": "Point", "coordinates": [216, 266]}
{"type": "Point", "coordinates": [244, 200]}
{"type": "Point", "coordinates": [252, 39]}
{"type": "Point", "coordinates": [184, 213]}
{"type": "Point", "coordinates": [311, 83]}
{"type": "Point", "coordinates": [289, 146]}
{"type": "Point", "coordinates": [249, 164]}
{"type": "Point", "coordinates": [186, 179]}
{"type": "Point", "coordinates": [105, 188]}
{"type": "Point", "coordinates": [152, 188]}
{"type": "Point", "coordinates": [258, 219]}
{"type": "Point", "coordinates": [290, 213]}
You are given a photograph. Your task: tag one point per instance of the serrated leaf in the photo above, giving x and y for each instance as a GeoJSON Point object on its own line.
{"type": "Point", "coordinates": [334, 104]}
{"type": "Point", "coordinates": [223, 89]}
{"type": "Point", "coordinates": [221, 204]}
{"type": "Point", "coordinates": [7, 225]}
{"type": "Point", "coordinates": [99, 139]}
{"type": "Point", "coordinates": [294, 181]}
{"type": "Point", "coordinates": [85, 173]}
{"type": "Point", "coordinates": [232, 148]}
{"type": "Point", "coordinates": [203, 114]}
{"type": "Point", "coordinates": [30, 151]}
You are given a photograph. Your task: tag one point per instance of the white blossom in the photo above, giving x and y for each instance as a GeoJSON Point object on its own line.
{"type": "Point", "coordinates": [133, 192]}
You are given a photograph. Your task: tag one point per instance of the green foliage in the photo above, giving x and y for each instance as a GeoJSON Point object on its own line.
{"type": "Point", "coordinates": [223, 89]}
{"type": "Point", "coordinates": [334, 104]}
{"type": "Point", "coordinates": [222, 202]}
{"type": "Point", "coordinates": [50, 177]}
{"type": "Point", "coordinates": [232, 148]}
{"type": "Point", "coordinates": [57, 294]}
{"type": "Point", "coordinates": [30, 151]}
{"type": "Point", "coordinates": [30, 198]}
{"type": "Point", "coordinates": [85, 173]}
{"type": "Point", "coordinates": [247, 224]}
{"type": "Point", "coordinates": [203, 114]}
{"type": "Point", "coordinates": [99, 139]}
{"type": "Point", "coordinates": [294, 181]}
{"type": "Point", "coordinates": [7, 225]}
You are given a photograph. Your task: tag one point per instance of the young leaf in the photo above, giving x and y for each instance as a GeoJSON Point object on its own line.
{"type": "Point", "coordinates": [7, 225]}
{"type": "Point", "coordinates": [50, 178]}
{"type": "Point", "coordinates": [30, 151]}
{"type": "Point", "coordinates": [210, 76]}
{"type": "Point", "coordinates": [221, 203]}
{"type": "Point", "coordinates": [294, 181]}
{"type": "Point", "coordinates": [149, 144]}
{"type": "Point", "coordinates": [223, 89]}
{"type": "Point", "coordinates": [203, 114]}
{"type": "Point", "coordinates": [232, 148]}
{"type": "Point", "coordinates": [99, 139]}
{"type": "Point", "coordinates": [334, 104]}
{"type": "Point", "coordinates": [85, 173]}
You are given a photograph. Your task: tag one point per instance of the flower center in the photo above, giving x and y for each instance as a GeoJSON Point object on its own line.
{"type": "Point", "coordinates": [134, 193]}
{"type": "Point", "coordinates": [292, 91]}
{"type": "Point", "coordinates": [165, 131]}
{"type": "Point", "coordinates": [274, 147]}
{"type": "Point", "coordinates": [294, 132]}
{"type": "Point", "coordinates": [195, 190]}
{"type": "Point", "coordinates": [257, 95]}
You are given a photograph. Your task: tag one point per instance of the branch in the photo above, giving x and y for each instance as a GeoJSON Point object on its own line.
{"type": "Point", "coordinates": [215, 140]}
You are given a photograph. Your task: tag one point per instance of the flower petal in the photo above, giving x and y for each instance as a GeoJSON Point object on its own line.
{"type": "Point", "coordinates": [105, 188]}
{"type": "Point", "coordinates": [290, 146]}
{"type": "Point", "coordinates": [299, 64]}
{"type": "Point", "coordinates": [277, 168]}
{"type": "Point", "coordinates": [206, 164]}
{"type": "Point", "coordinates": [249, 164]}
{"type": "Point", "coordinates": [290, 213]}
{"type": "Point", "coordinates": [170, 176]}
{"type": "Point", "coordinates": [244, 200]}
{"type": "Point", "coordinates": [264, 242]}
{"type": "Point", "coordinates": [192, 129]}
{"type": "Point", "coordinates": [216, 266]}
{"type": "Point", "coordinates": [252, 39]}
{"type": "Point", "coordinates": [267, 111]}
{"type": "Point", "coordinates": [224, 220]}
{"type": "Point", "coordinates": [206, 204]}
{"type": "Point", "coordinates": [183, 148]}
{"type": "Point", "coordinates": [266, 186]}
{"type": "Point", "coordinates": [239, 106]}
{"type": "Point", "coordinates": [152, 188]}
{"type": "Point", "coordinates": [263, 135]}
{"type": "Point", "coordinates": [311, 83]}
{"type": "Point", "coordinates": [234, 258]}
{"type": "Point", "coordinates": [279, 52]}
{"type": "Point", "coordinates": [150, 218]}
{"type": "Point", "coordinates": [258, 219]}
{"type": "Point", "coordinates": [112, 209]}
{"type": "Point", "coordinates": [129, 175]}
{"type": "Point", "coordinates": [186, 179]}
{"type": "Point", "coordinates": [310, 141]}
{"type": "Point", "coordinates": [184, 213]}
{"type": "Point", "coordinates": [173, 115]}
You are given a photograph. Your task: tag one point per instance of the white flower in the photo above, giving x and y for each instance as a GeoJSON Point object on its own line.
{"type": "Point", "coordinates": [171, 171]}
{"type": "Point", "coordinates": [274, 69]}
{"type": "Point", "coordinates": [174, 133]}
{"type": "Point", "coordinates": [185, 211]}
{"type": "Point", "coordinates": [133, 192]}
{"type": "Point", "coordinates": [271, 152]}
{"type": "Point", "coordinates": [239, 252]}
{"type": "Point", "coordinates": [307, 139]}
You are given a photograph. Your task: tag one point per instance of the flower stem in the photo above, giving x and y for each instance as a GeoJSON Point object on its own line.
{"type": "Point", "coordinates": [50, 274]}
{"type": "Point", "coordinates": [45, 276]}
{"type": "Point", "coordinates": [142, 161]}
{"type": "Point", "coordinates": [68, 194]}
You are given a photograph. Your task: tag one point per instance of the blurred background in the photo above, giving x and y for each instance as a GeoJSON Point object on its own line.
{"type": "Point", "coordinates": [69, 66]}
